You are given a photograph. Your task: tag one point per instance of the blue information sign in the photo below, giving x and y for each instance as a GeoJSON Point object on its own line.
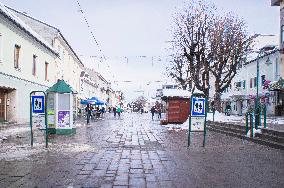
{"type": "Point", "coordinates": [198, 107]}
{"type": "Point", "coordinates": [38, 104]}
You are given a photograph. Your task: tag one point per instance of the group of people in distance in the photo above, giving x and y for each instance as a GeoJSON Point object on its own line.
{"type": "Point", "coordinates": [156, 109]}
{"type": "Point", "coordinates": [92, 112]}
{"type": "Point", "coordinates": [116, 110]}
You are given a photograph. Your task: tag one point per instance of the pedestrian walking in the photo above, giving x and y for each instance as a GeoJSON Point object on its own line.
{"type": "Point", "coordinates": [114, 111]}
{"type": "Point", "coordinates": [159, 113]}
{"type": "Point", "coordinates": [102, 111]}
{"type": "Point", "coordinates": [153, 112]}
{"type": "Point", "coordinates": [159, 110]}
{"type": "Point", "coordinates": [118, 111]}
{"type": "Point", "coordinates": [88, 112]}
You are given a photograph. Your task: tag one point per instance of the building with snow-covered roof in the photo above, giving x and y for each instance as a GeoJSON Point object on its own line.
{"type": "Point", "coordinates": [26, 61]}
{"type": "Point", "coordinates": [68, 64]}
{"type": "Point", "coordinates": [33, 56]}
{"type": "Point", "coordinates": [240, 96]}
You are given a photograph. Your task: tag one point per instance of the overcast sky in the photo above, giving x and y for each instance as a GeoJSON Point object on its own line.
{"type": "Point", "coordinates": [128, 30]}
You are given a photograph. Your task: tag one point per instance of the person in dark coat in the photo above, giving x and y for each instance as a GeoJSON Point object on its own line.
{"type": "Point", "coordinates": [89, 112]}
{"type": "Point", "coordinates": [102, 111]}
{"type": "Point", "coordinates": [159, 110]}
{"type": "Point", "coordinates": [153, 112]}
{"type": "Point", "coordinates": [114, 111]}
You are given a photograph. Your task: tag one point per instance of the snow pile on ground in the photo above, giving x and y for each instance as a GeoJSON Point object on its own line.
{"type": "Point", "coordinates": [72, 148]}
{"type": "Point", "coordinates": [10, 152]}
{"type": "Point", "coordinates": [275, 120]}
{"type": "Point", "coordinates": [178, 127]}
{"type": "Point", "coordinates": [221, 117]}
{"type": "Point", "coordinates": [20, 152]}
{"type": "Point", "coordinates": [254, 131]}
{"type": "Point", "coordinates": [12, 132]}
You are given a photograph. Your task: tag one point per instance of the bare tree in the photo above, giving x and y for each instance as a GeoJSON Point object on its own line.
{"type": "Point", "coordinates": [179, 70]}
{"type": "Point", "coordinates": [191, 36]}
{"type": "Point", "coordinates": [229, 46]}
{"type": "Point", "coordinates": [212, 45]}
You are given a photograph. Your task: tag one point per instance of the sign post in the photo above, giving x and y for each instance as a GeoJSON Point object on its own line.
{"type": "Point", "coordinates": [38, 117]}
{"type": "Point", "coordinates": [198, 115]}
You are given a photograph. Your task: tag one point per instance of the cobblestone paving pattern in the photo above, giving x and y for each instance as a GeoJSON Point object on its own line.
{"type": "Point", "coordinates": [135, 151]}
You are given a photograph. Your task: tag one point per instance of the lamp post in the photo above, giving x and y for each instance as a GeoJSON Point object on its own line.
{"type": "Point", "coordinates": [257, 110]}
{"type": "Point", "coordinates": [257, 107]}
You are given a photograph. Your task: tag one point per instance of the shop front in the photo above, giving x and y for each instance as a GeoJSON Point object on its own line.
{"type": "Point", "coordinates": [278, 89]}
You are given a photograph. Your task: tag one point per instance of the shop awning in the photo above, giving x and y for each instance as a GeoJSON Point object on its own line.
{"type": "Point", "coordinates": [94, 101]}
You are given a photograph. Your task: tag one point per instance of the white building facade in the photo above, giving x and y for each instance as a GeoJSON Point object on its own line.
{"type": "Point", "coordinates": [26, 61]}
{"type": "Point", "coordinates": [68, 65]}
{"type": "Point", "coordinates": [240, 96]}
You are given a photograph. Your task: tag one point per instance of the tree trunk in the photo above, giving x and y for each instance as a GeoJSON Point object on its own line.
{"type": "Point", "coordinates": [217, 102]}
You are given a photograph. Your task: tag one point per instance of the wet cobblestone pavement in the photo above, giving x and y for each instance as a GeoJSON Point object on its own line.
{"type": "Point", "coordinates": [135, 151]}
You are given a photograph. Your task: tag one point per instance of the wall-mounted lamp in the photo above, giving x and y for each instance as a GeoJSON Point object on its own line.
{"type": "Point", "coordinates": [268, 62]}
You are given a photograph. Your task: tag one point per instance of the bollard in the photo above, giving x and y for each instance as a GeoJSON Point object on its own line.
{"type": "Point", "coordinates": [247, 114]}
{"type": "Point", "coordinates": [256, 118]}
{"type": "Point", "coordinates": [259, 118]}
{"type": "Point", "coordinates": [251, 125]}
{"type": "Point", "coordinates": [264, 117]}
{"type": "Point", "coordinates": [213, 114]}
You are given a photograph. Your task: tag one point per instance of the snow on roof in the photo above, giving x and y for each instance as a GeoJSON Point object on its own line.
{"type": "Point", "coordinates": [262, 41]}
{"type": "Point", "coordinates": [6, 12]}
{"type": "Point", "coordinates": [176, 93]}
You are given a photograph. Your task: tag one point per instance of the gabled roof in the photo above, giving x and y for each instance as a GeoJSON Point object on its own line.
{"type": "Point", "coordinates": [61, 87]}
{"type": "Point", "coordinates": [262, 56]}
{"type": "Point", "coordinates": [47, 31]}
{"type": "Point", "coordinates": [26, 28]}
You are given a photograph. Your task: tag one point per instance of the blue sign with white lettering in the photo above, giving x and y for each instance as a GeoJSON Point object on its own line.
{"type": "Point", "coordinates": [198, 107]}
{"type": "Point", "coordinates": [38, 104]}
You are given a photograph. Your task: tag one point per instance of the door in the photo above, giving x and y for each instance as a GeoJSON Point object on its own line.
{"type": "Point", "coordinates": [2, 106]}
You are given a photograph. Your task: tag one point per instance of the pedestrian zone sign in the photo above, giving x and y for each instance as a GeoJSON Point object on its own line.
{"type": "Point", "coordinates": [198, 107]}
{"type": "Point", "coordinates": [37, 104]}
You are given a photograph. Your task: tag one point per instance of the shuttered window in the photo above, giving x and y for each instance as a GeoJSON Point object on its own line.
{"type": "Point", "coordinates": [46, 70]}
{"type": "Point", "coordinates": [34, 65]}
{"type": "Point", "coordinates": [17, 50]}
